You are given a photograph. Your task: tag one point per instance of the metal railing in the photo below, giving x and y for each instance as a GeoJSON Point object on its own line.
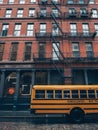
{"type": "Point", "coordinates": [48, 35]}
{"type": "Point", "coordinates": [48, 2]}
{"type": "Point", "coordinates": [77, 2]}
{"type": "Point", "coordinates": [81, 57]}
{"type": "Point", "coordinates": [80, 35]}
{"type": "Point", "coordinates": [66, 35]}
{"type": "Point", "coordinates": [53, 56]}
{"type": "Point", "coordinates": [77, 15]}
{"type": "Point", "coordinates": [47, 15]}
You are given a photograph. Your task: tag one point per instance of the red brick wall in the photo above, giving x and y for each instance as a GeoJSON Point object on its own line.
{"type": "Point", "coordinates": [65, 44]}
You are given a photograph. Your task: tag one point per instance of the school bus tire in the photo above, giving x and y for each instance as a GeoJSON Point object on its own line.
{"type": "Point", "coordinates": [77, 115]}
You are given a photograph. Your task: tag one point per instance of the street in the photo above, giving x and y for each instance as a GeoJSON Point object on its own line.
{"type": "Point", "coordinates": [47, 124]}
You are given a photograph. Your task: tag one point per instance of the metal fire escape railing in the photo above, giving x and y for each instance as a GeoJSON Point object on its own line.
{"type": "Point", "coordinates": [61, 58]}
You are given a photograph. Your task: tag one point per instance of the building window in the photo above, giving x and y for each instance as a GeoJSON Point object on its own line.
{"type": "Point", "coordinates": [30, 29]}
{"type": "Point", "coordinates": [27, 53]}
{"type": "Point", "coordinates": [1, 51]}
{"type": "Point", "coordinates": [96, 28]}
{"type": "Point", "coordinates": [8, 13]}
{"type": "Point", "coordinates": [70, 2]}
{"type": "Point", "coordinates": [55, 12]}
{"type": "Point", "coordinates": [75, 50]}
{"type": "Point", "coordinates": [41, 77]}
{"type": "Point", "coordinates": [83, 11]}
{"type": "Point", "coordinates": [55, 51]}
{"type": "Point", "coordinates": [91, 1]}
{"type": "Point", "coordinates": [73, 29]}
{"type": "Point", "coordinates": [26, 79]}
{"type": "Point", "coordinates": [22, 1]}
{"type": "Point", "coordinates": [41, 51]}
{"type": "Point", "coordinates": [4, 29]}
{"type": "Point", "coordinates": [43, 12]}
{"type": "Point", "coordinates": [1, 1]}
{"type": "Point", "coordinates": [55, 1]}
{"type": "Point", "coordinates": [31, 12]}
{"type": "Point", "coordinates": [20, 13]}
{"type": "Point", "coordinates": [81, 1]}
{"type": "Point", "coordinates": [13, 54]}
{"type": "Point", "coordinates": [85, 29]}
{"type": "Point", "coordinates": [55, 30]}
{"type": "Point", "coordinates": [72, 11]}
{"type": "Point", "coordinates": [43, 29]}
{"type": "Point", "coordinates": [94, 13]}
{"type": "Point", "coordinates": [33, 1]}
{"type": "Point", "coordinates": [11, 2]}
{"type": "Point", "coordinates": [17, 29]}
{"type": "Point", "coordinates": [89, 50]}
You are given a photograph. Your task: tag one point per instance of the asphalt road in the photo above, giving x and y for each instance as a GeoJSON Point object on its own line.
{"type": "Point", "coordinates": [47, 124]}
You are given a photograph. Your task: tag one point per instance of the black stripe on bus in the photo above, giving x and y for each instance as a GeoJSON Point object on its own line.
{"type": "Point", "coordinates": [64, 103]}
{"type": "Point", "coordinates": [90, 108]}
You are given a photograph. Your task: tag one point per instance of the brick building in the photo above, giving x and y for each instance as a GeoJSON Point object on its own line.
{"type": "Point", "coordinates": [46, 42]}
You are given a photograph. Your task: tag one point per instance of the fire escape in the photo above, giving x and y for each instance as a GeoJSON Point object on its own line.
{"type": "Point", "coordinates": [54, 37]}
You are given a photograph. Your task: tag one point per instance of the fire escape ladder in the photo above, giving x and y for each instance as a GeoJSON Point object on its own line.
{"type": "Point", "coordinates": [53, 37]}
{"type": "Point", "coordinates": [54, 18]}
{"type": "Point", "coordinates": [58, 69]}
{"type": "Point", "coordinates": [56, 6]}
{"type": "Point", "coordinates": [61, 54]}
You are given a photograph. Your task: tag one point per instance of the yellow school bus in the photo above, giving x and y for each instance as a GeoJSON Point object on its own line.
{"type": "Point", "coordinates": [73, 100]}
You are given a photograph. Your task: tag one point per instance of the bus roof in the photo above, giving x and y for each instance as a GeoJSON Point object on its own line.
{"type": "Point", "coordinates": [49, 87]}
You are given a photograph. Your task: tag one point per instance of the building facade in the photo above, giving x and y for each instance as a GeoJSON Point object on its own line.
{"type": "Point", "coordinates": [46, 42]}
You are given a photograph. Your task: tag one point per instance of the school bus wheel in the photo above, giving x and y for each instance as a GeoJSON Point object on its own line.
{"type": "Point", "coordinates": [77, 115]}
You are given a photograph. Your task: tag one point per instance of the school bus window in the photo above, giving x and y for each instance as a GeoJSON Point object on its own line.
{"type": "Point", "coordinates": [83, 94]}
{"type": "Point", "coordinates": [66, 94]}
{"type": "Point", "coordinates": [97, 93]}
{"type": "Point", "coordinates": [40, 94]}
{"type": "Point", "coordinates": [75, 94]}
{"type": "Point", "coordinates": [49, 94]}
{"type": "Point", "coordinates": [58, 94]}
{"type": "Point", "coordinates": [91, 93]}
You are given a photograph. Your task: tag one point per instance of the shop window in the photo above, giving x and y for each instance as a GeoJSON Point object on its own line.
{"type": "Point", "coordinates": [25, 84]}
{"type": "Point", "coordinates": [41, 77]}
{"type": "Point", "coordinates": [10, 84]}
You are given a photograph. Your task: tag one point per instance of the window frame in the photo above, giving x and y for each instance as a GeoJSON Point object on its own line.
{"type": "Point", "coordinates": [31, 12]}
{"type": "Point", "coordinates": [30, 29]}
{"type": "Point", "coordinates": [73, 29]}
{"type": "Point", "coordinates": [26, 52]}
{"type": "Point", "coordinates": [8, 13]}
{"type": "Point", "coordinates": [21, 1]}
{"type": "Point", "coordinates": [55, 52]}
{"type": "Point", "coordinates": [5, 28]}
{"type": "Point", "coordinates": [94, 13]}
{"type": "Point", "coordinates": [11, 1]}
{"type": "Point", "coordinates": [75, 50]}
{"type": "Point", "coordinates": [17, 29]}
{"type": "Point", "coordinates": [96, 28]}
{"type": "Point", "coordinates": [85, 27]}
{"type": "Point", "coordinates": [13, 51]}
{"type": "Point", "coordinates": [20, 13]}
{"type": "Point", "coordinates": [89, 49]}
